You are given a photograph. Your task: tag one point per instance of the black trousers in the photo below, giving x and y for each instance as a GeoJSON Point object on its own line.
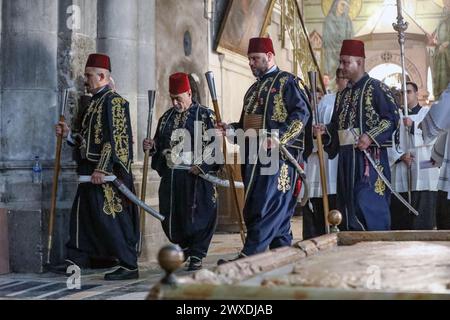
{"type": "Point", "coordinates": [424, 202]}
{"type": "Point", "coordinates": [442, 211]}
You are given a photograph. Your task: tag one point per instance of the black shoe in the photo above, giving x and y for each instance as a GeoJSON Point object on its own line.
{"type": "Point", "coordinates": [122, 273]}
{"type": "Point", "coordinates": [195, 263]}
{"type": "Point", "coordinates": [223, 261]}
{"type": "Point", "coordinates": [61, 268]}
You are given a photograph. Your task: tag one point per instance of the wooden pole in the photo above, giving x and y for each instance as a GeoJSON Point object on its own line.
{"type": "Point", "coordinates": [151, 104]}
{"type": "Point", "coordinates": [323, 175]}
{"type": "Point", "coordinates": [51, 218]}
{"type": "Point", "coordinates": [228, 169]}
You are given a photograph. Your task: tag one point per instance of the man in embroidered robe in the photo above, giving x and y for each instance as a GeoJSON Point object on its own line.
{"type": "Point", "coordinates": [275, 102]}
{"type": "Point", "coordinates": [367, 107]}
{"type": "Point", "coordinates": [188, 202]}
{"type": "Point", "coordinates": [313, 215]}
{"type": "Point", "coordinates": [436, 124]}
{"type": "Point", "coordinates": [103, 223]}
{"type": "Point", "coordinates": [424, 181]}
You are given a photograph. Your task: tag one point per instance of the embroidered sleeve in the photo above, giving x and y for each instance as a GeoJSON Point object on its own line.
{"type": "Point", "coordinates": [293, 131]}
{"type": "Point", "coordinates": [120, 130]}
{"type": "Point", "coordinates": [117, 134]}
{"type": "Point", "coordinates": [383, 126]}
{"type": "Point", "coordinates": [105, 164]}
{"type": "Point", "coordinates": [381, 114]}
{"type": "Point", "coordinates": [297, 107]}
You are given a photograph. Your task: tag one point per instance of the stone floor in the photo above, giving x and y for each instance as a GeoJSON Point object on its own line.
{"type": "Point", "coordinates": [49, 286]}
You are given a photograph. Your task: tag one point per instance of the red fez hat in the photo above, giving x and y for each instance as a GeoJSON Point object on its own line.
{"type": "Point", "coordinates": [179, 83]}
{"type": "Point", "coordinates": [260, 45]}
{"type": "Point", "coordinates": [353, 48]}
{"type": "Point", "coordinates": [98, 60]}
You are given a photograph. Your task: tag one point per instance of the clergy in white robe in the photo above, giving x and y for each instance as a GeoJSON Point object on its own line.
{"type": "Point", "coordinates": [413, 150]}
{"type": "Point", "coordinates": [437, 124]}
{"type": "Point", "coordinates": [313, 213]}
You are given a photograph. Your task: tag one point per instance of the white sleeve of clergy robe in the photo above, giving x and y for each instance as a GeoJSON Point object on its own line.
{"type": "Point", "coordinates": [437, 121]}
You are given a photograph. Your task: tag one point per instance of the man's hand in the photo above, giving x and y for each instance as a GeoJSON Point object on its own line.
{"type": "Point", "coordinates": [62, 129]}
{"type": "Point", "coordinates": [364, 142]}
{"type": "Point", "coordinates": [148, 144]}
{"type": "Point", "coordinates": [98, 177]}
{"type": "Point", "coordinates": [407, 158]}
{"type": "Point", "coordinates": [318, 129]}
{"type": "Point", "coordinates": [194, 170]}
{"type": "Point", "coordinates": [408, 122]}
{"type": "Point", "coordinates": [222, 128]}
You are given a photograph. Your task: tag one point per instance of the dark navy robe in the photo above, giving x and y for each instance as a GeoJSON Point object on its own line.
{"type": "Point", "coordinates": [363, 199]}
{"type": "Point", "coordinates": [187, 201]}
{"type": "Point", "coordinates": [279, 98]}
{"type": "Point", "coordinates": [104, 223]}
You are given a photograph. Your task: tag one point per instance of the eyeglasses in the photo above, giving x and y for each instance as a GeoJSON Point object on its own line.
{"type": "Point", "coordinates": [407, 91]}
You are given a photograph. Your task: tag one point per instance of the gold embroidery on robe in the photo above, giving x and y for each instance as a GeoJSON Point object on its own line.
{"type": "Point", "coordinates": [112, 204]}
{"type": "Point", "coordinates": [120, 128]}
{"type": "Point", "coordinates": [284, 181]}
{"type": "Point", "coordinates": [294, 130]}
{"type": "Point", "coordinates": [105, 157]}
{"type": "Point", "coordinates": [380, 187]}
{"type": "Point", "coordinates": [280, 113]}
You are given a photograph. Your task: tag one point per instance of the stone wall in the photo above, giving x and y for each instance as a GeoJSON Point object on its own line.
{"type": "Point", "coordinates": [47, 42]}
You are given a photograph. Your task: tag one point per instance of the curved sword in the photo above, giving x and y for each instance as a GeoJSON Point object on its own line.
{"type": "Point", "coordinates": [208, 177]}
{"type": "Point", "coordinates": [127, 193]}
{"type": "Point", "coordinates": [385, 180]}
{"type": "Point", "coordinates": [297, 167]}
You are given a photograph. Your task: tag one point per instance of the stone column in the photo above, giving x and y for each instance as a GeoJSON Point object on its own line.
{"type": "Point", "coordinates": [126, 32]}
{"type": "Point", "coordinates": [28, 107]}
{"type": "Point", "coordinates": [43, 52]}
{"type": "Point", "coordinates": [117, 36]}
{"type": "Point", "coordinates": [154, 237]}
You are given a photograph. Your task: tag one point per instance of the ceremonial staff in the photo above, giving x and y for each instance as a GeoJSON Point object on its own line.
{"type": "Point", "coordinates": [51, 217]}
{"type": "Point", "coordinates": [323, 175]}
{"type": "Point", "coordinates": [151, 105]}
{"type": "Point", "coordinates": [401, 27]}
{"type": "Point", "coordinates": [229, 170]}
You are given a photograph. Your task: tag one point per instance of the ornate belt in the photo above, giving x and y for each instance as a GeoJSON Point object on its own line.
{"type": "Point", "coordinates": [253, 121]}
{"type": "Point", "coordinates": [346, 137]}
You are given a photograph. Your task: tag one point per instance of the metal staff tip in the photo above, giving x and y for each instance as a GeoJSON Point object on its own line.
{"type": "Point", "coordinates": [211, 84]}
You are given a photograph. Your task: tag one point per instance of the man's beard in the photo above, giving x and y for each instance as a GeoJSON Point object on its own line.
{"type": "Point", "coordinates": [259, 72]}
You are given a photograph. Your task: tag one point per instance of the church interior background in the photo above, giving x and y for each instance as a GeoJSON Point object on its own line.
{"type": "Point", "coordinates": [47, 42]}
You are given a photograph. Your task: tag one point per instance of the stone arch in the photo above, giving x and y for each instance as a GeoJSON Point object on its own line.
{"type": "Point", "coordinates": [395, 58]}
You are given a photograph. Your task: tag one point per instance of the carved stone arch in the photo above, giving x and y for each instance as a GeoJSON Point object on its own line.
{"type": "Point", "coordinates": [395, 58]}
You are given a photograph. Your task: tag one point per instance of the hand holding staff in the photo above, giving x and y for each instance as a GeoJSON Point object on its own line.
{"type": "Point", "coordinates": [151, 105]}
{"type": "Point", "coordinates": [229, 170]}
{"type": "Point", "coordinates": [51, 218]}
{"type": "Point", "coordinates": [323, 178]}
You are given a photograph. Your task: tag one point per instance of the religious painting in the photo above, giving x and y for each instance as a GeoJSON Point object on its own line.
{"type": "Point", "coordinates": [337, 27]}
{"type": "Point", "coordinates": [440, 39]}
{"type": "Point", "coordinates": [244, 19]}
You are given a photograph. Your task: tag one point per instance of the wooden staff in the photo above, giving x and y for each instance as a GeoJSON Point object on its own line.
{"type": "Point", "coordinates": [51, 218]}
{"type": "Point", "coordinates": [323, 175]}
{"type": "Point", "coordinates": [151, 105]}
{"type": "Point", "coordinates": [228, 168]}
